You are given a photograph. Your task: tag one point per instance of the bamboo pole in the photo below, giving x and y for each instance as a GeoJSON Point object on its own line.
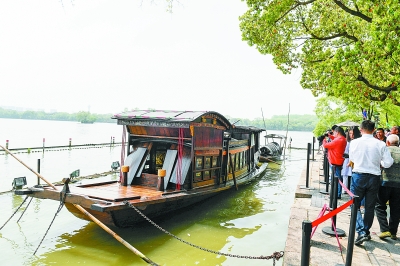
{"type": "Point", "coordinates": [115, 235]}
{"type": "Point", "coordinates": [94, 219]}
{"type": "Point", "coordinates": [287, 129]}
{"type": "Point", "coordinates": [33, 171]}
{"type": "Point", "coordinates": [265, 127]}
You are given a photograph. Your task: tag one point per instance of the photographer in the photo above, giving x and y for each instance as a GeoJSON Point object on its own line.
{"type": "Point", "coordinates": [336, 147]}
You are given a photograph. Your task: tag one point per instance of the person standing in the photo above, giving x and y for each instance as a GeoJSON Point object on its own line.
{"type": "Point", "coordinates": [353, 133]}
{"type": "Point", "coordinates": [366, 156]}
{"type": "Point", "coordinates": [380, 134]}
{"type": "Point", "coordinates": [336, 149]}
{"type": "Point", "coordinates": [395, 130]}
{"type": "Point", "coordinates": [390, 191]}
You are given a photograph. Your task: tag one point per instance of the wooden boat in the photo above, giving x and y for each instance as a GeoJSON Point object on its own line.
{"type": "Point", "coordinates": [175, 159]}
{"type": "Point", "coordinates": [273, 148]}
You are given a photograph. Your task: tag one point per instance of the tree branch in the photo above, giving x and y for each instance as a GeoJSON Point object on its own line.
{"type": "Point", "coordinates": [383, 89]}
{"type": "Point", "coordinates": [352, 12]}
{"type": "Point", "coordinates": [337, 35]}
{"type": "Point", "coordinates": [297, 3]}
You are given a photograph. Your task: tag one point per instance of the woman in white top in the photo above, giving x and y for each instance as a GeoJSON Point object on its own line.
{"type": "Point", "coordinates": [352, 133]}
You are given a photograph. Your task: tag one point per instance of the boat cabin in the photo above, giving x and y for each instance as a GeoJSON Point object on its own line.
{"type": "Point", "coordinates": [192, 149]}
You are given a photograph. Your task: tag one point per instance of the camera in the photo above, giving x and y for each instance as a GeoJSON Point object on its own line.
{"type": "Point", "coordinates": [329, 132]}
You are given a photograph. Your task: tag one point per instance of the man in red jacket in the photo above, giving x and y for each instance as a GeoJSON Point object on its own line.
{"type": "Point", "coordinates": [336, 149]}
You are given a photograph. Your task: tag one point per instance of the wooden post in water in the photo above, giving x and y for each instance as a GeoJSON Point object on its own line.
{"type": "Point", "coordinates": [38, 170]}
{"type": "Point", "coordinates": [33, 171]}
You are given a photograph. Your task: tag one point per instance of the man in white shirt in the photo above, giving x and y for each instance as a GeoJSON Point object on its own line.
{"type": "Point", "coordinates": [367, 154]}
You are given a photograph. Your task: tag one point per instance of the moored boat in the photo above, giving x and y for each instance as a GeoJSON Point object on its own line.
{"type": "Point", "coordinates": [173, 159]}
{"type": "Point", "coordinates": [272, 150]}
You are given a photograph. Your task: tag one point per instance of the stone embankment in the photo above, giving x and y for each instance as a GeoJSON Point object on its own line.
{"type": "Point", "coordinates": [325, 249]}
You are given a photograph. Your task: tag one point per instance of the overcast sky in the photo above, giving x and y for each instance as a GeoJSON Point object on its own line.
{"type": "Point", "coordinates": [105, 56]}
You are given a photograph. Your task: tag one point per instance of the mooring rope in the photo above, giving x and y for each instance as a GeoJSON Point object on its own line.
{"type": "Point", "coordinates": [25, 209]}
{"type": "Point", "coordinates": [14, 213]}
{"type": "Point", "coordinates": [62, 200]}
{"type": "Point", "coordinates": [275, 256]}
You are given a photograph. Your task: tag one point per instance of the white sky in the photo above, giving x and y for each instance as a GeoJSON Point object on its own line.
{"type": "Point", "coordinates": [110, 55]}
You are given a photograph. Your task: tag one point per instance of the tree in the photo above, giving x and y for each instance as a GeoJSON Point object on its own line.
{"type": "Point", "coordinates": [85, 117]}
{"type": "Point", "coordinates": [331, 111]}
{"type": "Point", "coordinates": [346, 49]}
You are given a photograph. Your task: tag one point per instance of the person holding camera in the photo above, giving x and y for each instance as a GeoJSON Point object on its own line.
{"type": "Point", "coordinates": [336, 149]}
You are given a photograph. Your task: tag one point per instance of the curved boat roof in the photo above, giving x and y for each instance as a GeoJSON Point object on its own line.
{"type": "Point", "coordinates": [168, 116]}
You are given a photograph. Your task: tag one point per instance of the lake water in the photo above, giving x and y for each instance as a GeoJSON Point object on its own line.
{"type": "Point", "coordinates": [252, 221]}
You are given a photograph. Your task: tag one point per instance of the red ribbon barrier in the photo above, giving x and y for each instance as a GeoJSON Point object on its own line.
{"type": "Point", "coordinates": [332, 213]}
{"type": "Point", "coordinates": [323, 210]}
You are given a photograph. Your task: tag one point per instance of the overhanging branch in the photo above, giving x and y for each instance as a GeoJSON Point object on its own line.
{"type": "Point", "coordinates": [387, 89]}
{"type": "Point", "coordinates": [352, 12]}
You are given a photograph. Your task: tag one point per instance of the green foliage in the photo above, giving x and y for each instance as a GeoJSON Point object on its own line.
{"type": "Point", "coordinates": [84, 117]}
{"type": "Point", "coordinates": [280, 122]}
{"type": "Point", "coordinates": [346, 49]}
{"type": "Point", "coordinates": [331, 111]}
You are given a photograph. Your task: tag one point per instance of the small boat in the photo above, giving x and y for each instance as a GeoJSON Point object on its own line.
{"type": "Point", "coordinates": [174, 159]}
{"type": "Point", "coordinates": [272, 150]}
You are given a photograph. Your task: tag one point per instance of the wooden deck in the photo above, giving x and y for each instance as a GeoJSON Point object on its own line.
{"type": "Point", "coordinates": [114, 192]}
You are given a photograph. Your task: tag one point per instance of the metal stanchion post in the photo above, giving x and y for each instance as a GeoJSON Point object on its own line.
{"type": "Point", "coordinates": [305, 243]}
{"type": "Point", "coordinates": [330, 230]}
{"type": "Point", "coordinates": [352, 230]}
{"type": "Point", "coordinates": [308, 166]}
{"type": "Point", "coordinates": [331, 194]}
{"type": "Point", "coordinates": [313, 138]}
{"type": "Point", "coordinates": [326, 173]}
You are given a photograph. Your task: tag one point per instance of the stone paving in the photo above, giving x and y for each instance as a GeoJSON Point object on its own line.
{"type": "Point", "coordinates": [325, 249]}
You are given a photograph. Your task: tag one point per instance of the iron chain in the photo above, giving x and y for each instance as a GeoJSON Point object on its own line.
{"type": "Point", "coordinates": [274, 256]}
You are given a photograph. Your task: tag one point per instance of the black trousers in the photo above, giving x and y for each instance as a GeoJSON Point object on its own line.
{"type": "Point", "coordinates": [391, 194]}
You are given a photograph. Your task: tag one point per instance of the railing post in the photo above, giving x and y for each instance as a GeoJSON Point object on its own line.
{"type": "Point", "coordinates": [333, 230]}
{"type": "Point", "coordinates": [38, 170]}
{"type": "Point", "coordinates": [313, 138]}
{"type": "Point", "coordinates": [305, 243]}
{"type": "Point", "coordinates": [308, 163]}
{"type": "Point", "coordinates": [352, 230]}
{"type": "Point", "coordinates": [325, 166]}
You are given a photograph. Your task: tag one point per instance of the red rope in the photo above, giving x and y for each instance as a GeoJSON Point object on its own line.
{"type": "Point", "coordinates": [180, 155]}
{"type": "Point", "coordinates": [122, 153]}
{"type": "Point", "coordinates": [332, 213]}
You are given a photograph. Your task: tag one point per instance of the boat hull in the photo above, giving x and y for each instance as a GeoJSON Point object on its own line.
{"type": "Point", "coordinates": [126, 216]}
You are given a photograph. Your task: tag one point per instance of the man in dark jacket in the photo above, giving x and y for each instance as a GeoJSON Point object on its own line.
{"type": "Point", "coordinates": [390, 191]}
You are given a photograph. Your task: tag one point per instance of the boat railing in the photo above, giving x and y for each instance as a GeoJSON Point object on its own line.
{"type": "Point", "coordinates": [237, 143]}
